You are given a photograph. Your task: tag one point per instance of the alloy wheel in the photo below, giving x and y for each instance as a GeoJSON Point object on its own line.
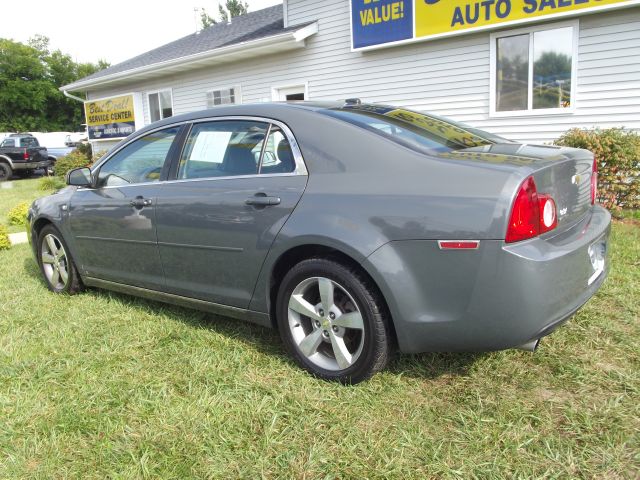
{"type": "Point", "coordinates": [326, 324]}
{"type": "Point", "coordinates": [54, 261]}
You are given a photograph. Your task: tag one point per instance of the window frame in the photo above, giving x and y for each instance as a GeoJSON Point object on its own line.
{"type": "Point", "coordinates": [530, 111]}
{"type": "Point", "coordinates": [171, 163]}
{"type": "Point", "coordinates": [152, 92]}
{"type": "Point", "coordinates": [237, 93]}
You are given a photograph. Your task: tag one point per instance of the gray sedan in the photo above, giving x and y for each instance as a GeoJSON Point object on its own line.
{"type": "Point", "coordinates": [353, 229]}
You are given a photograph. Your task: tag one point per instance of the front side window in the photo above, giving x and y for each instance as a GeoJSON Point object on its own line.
{"type": "Point", "coordinates": [8, 142]}
{"type": "Point", "coordinates": [533, 70]}
{"type": "Point", "coordinates": [160, 105]}
{"type": "Point", "coordinates": [222, 149]}
{"type": "Point", "coordinates": [139, 162]}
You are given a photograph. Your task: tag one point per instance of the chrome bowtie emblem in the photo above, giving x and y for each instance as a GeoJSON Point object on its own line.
{"type": "Point", "coordinates": [576, 179]}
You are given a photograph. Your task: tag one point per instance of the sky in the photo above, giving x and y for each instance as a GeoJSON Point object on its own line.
{"type": "Point", "coordinates": [113, 30]}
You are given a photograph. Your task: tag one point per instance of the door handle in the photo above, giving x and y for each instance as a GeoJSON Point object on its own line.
{"type": "Point", "coordinates": [140, 202]}
{"type": "Point", "coordinates": [262, 200]}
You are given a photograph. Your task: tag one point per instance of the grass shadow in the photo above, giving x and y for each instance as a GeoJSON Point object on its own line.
{"type": "Point", "coordinates": [430, 366]}
{"type": "Point", "coordinates": [267, 341]}
{"type": "Point", "coordinates": [32, 269]}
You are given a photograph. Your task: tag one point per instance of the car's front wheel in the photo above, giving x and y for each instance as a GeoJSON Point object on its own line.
{"type": "Point", "coordinates": [55, 262]}
{"type": "Point", "coordinates": [333, 321]}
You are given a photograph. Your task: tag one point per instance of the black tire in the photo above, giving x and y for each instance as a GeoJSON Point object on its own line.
{"type": "Point", "coordinates": [6, 172]}
{"type": "Point", "coordinates": [375, 349]}
{"type": "Point", "coordinates": [73, 284]}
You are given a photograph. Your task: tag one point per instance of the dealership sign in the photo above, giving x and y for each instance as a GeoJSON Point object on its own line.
{"type": "Point", "coordinates": [388, 22]}
{"type": "Point", "coordinates": [109, 118]}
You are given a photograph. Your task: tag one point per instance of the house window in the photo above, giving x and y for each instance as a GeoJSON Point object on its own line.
{"type": "Point", "coordinates": [160, 105]}
{"type": "Point", "coordinates": [533, 70]}
{"type": "Point", "coordinates": [222, 96]}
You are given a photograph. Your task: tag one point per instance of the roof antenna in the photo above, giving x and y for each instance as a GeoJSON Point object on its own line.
{"type": "Point", "coordinates": [224, 7]}
{"type": "Point", "coordinates": [196, 13]}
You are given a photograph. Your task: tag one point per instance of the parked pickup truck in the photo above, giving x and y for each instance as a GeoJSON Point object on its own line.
{"type": "Point", "coordinates": [21, 154]}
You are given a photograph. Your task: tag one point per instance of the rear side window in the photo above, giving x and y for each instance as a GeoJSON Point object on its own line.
{"type": "Point", "coordinates": [28, 142]}
{"type": "Point", "coordinates": [425, 133]}
{"type": "Point", "coordinates": [278, 156]}
{"type": "Point", "coordinates": [225, 148]}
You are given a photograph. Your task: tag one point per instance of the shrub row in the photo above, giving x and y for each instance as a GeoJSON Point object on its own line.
{"type": "Point", "coordinates": [617, 152]}
{"type": "Point", "coordinates": [18, 214]}
{"type": "Point", "coordinates": [75, 159]}
{"type": "Point", "coordinates": [5, 244]}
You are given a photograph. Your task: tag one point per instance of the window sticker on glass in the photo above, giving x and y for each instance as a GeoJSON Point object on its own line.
{"type": "Point", "coordinates": [210, 146]}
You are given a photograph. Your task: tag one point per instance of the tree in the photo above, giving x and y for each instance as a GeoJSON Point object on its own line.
{"type": "Point", "coordinates": [552, 64]}
{"type": "Point", "coordinates": [235, 8]}
{"type": "Point", "coordinates": [205, 20]}
{"type": "Point", "coordinates": [30, 77]}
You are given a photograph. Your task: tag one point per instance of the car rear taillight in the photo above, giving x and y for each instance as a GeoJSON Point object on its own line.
{"type": "Point", "coordinates": [532, 213]}
{"type": "Point", "coordinates": [548, 216]}
{"type": "Point", "coordinates": [25, 155]}
{"type": "Point", "coordinates": [594, 182]}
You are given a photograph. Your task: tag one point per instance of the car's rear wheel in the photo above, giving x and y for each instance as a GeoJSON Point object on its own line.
{"type": "Point", "coordinates": [333, 321]}
{"type": "Point", "coordinates": [55, 262]}
{"type": "Point", "coordinates": [5, 172]}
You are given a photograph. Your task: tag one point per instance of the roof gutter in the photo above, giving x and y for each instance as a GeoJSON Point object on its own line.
{"type": "Point", "coordinates": [73, 97]}
{"type": "Point", "coordinates": [221, 54]}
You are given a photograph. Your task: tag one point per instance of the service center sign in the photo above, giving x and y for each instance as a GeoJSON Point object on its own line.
{"type": "Point", "coordinates": [110, 117]}
{"type": "Point", "coordinates": [379, 22]}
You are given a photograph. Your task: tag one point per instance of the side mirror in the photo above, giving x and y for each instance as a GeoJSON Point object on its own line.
{"type": "Point", "coordinates": [80, 177]}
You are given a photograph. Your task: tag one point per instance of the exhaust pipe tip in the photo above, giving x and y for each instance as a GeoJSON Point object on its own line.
{"type": "Point", "coordinates": [531, 346]}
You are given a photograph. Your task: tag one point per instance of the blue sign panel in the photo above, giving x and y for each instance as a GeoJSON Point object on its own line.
{"type": "Point", "coordinates": [381, 21]}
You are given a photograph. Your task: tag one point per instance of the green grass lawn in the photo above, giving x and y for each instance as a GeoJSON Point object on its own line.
{"type": "Point", "coordinates": [102, 385]}
{"type": "Point", "coordinates": [23, 190]}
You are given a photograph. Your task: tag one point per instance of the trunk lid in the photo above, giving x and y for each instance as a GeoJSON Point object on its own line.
{"type": "Point", "coordinates": [562, 172]}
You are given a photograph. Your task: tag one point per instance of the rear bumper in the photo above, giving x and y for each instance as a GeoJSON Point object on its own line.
{"type": "Point", "coordinates": [31, 165]}
{"type": "Point", "coordinates": [499, 296]}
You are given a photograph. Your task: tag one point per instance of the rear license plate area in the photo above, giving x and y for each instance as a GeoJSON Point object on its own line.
{"type": "Point", "coordinates": [597, 257]}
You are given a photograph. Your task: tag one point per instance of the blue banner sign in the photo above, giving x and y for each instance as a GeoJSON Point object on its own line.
{"type": "Point", "coordinates": [381, 21]}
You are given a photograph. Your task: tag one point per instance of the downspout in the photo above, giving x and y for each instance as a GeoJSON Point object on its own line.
{"type": "Point", "coordinates": [81, 100]}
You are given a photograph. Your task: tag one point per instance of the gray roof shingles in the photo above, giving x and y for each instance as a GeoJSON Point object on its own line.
{"type": "Point", "coordinates": [251, 26]}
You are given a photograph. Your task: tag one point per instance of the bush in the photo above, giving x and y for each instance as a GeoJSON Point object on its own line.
{"type": "Point", "coordinates": [85, 149]}
{"type": "Point", "coordinates": [98, 155]}
{"type": "Point", "coordinates": [18, 214]}
{"type": "Point", "coordinates": [617, 152]}
{"type": "Point", "coordinates": [75, 159]}
{"type": "Point", "coordinates": [48, 184]}
{"type": "Point", "coordinates": [5, 244]}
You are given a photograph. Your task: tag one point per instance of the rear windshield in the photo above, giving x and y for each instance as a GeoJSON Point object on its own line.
{"type": "Point", "coordinates": [425, 133]}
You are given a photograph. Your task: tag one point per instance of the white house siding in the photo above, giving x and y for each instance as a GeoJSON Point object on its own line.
{"type": "Point", "coordinates": [448, 77]}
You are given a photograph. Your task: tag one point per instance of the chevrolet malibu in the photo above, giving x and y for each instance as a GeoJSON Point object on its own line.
{"type": "Point", "coordinates": [351, 228]}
